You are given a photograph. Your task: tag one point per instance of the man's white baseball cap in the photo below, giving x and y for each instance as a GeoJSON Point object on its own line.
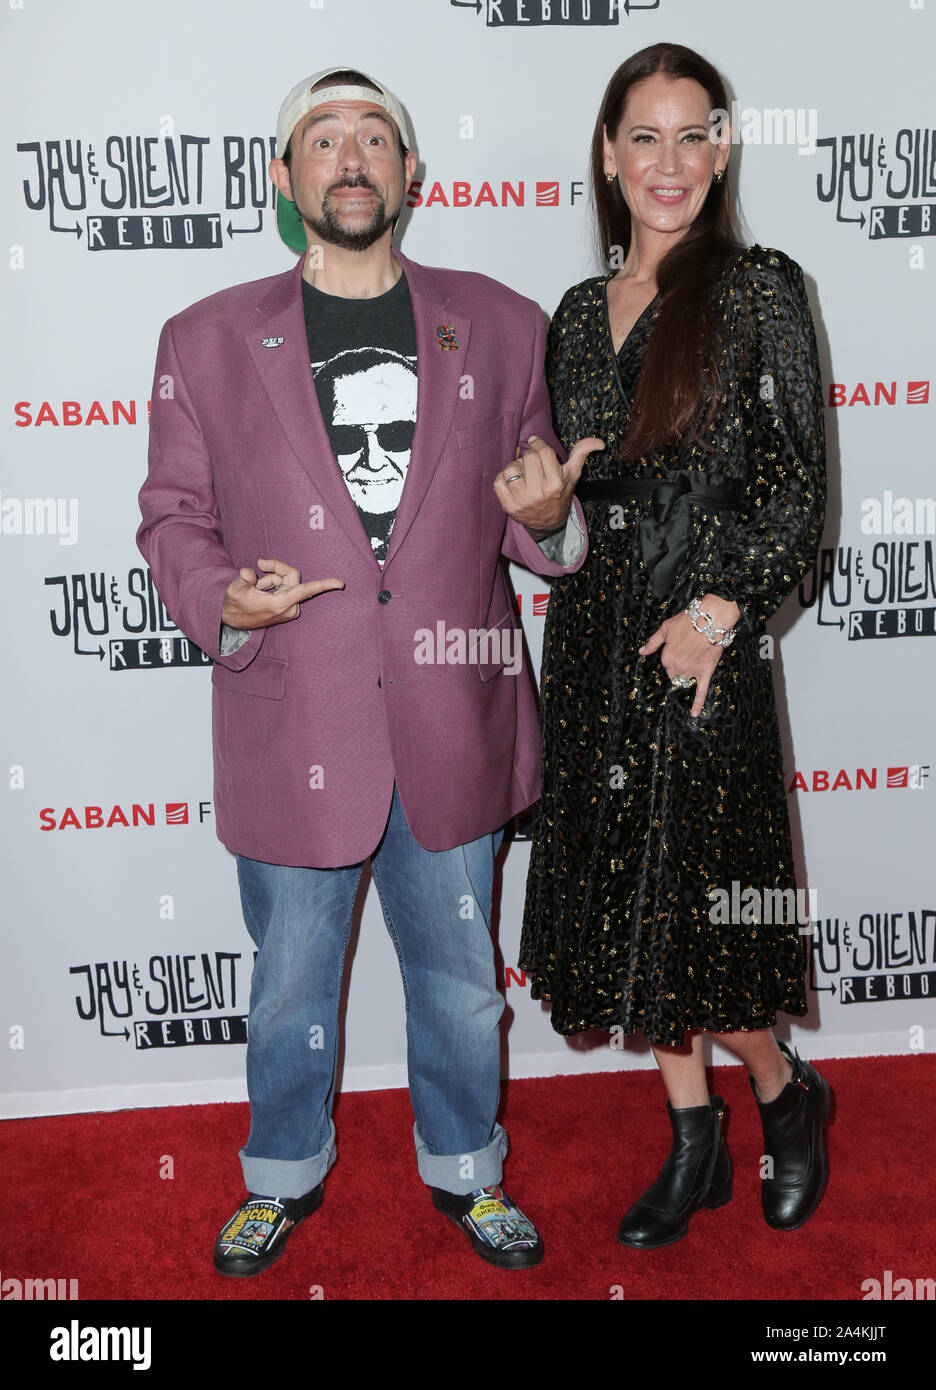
{"type": "Point", "coordinates": [302, 99]}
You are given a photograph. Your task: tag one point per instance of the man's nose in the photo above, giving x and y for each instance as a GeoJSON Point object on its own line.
{"type": "Point", "coordinates": [352, 158]}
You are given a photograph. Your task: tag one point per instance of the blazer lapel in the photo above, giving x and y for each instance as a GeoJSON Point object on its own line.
{"type": "Point", "coordinates": [287, 377]}
{"type": "Point", "coordinates": [439, 372]}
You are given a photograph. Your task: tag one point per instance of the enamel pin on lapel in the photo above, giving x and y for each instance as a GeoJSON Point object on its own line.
{"type": "Point", "coordinates": [272, 342]}
{"type": "Point", "coordinates": [445, 332]}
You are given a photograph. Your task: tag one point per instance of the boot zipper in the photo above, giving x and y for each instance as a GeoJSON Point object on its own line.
{"type": "Point", "coordinates": [719, 1116]}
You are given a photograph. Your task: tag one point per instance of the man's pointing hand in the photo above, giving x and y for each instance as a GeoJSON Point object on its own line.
{"type": "Point", "coordinates": [274, 597]}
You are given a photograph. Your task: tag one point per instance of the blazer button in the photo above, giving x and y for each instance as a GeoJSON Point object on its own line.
{"type": "Point", "coordinates": [384, 596]}
{"type": "Point", "coordinates": [379, 683]}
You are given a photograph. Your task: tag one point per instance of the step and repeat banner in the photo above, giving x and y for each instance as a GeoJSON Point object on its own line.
{"type": "Point", "coordinates": [134, 175]}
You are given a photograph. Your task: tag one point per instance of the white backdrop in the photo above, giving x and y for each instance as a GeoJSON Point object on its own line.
{"type": "Point", "coordinates": [134, 179]}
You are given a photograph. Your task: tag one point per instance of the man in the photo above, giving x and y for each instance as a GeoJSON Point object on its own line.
{"type": "Point", "coordinates": [332, 742]}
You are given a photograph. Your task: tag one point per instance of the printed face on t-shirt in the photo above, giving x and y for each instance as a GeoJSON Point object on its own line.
{"type": "Point", "coordinates": [371, 424]}
{"type": "Point", "coordinates": [363, 356]}
{"type": "Point", "coordinates": [372, 433]}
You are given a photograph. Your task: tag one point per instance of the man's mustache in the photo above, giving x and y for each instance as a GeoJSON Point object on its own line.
{"type": "Point", "coordinates": [354, 181]}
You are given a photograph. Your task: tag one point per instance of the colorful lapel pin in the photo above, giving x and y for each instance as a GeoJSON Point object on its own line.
{"type": "Point", "coordinates": [445, 332]}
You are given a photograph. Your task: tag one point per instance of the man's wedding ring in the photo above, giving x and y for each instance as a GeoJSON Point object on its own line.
{"type": "Point", "coordinates": [513, 478]}
{"type": "Point", "coordinates": [682, 682]}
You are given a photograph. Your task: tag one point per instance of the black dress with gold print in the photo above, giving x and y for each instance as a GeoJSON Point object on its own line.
{"type": "Point", "coordinates": [647, 813]}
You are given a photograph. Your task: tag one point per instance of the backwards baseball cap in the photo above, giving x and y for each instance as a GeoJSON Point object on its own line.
{"type": "Point", "coordinates": [300, 101]}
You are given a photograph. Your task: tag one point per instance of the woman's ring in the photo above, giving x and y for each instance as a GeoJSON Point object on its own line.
{"type": "Point", "coordinates": [682, 682]}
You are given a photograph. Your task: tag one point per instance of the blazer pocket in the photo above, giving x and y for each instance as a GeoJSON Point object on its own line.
{"type": "Point", "coordinates": [264, 677]}
{"type": "Point", "coordinates": [488, 431]}
{"type": "Point", "coordinates": [502, 642]}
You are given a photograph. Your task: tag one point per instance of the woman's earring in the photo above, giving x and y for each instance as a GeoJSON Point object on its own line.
{"type": "Point", "coordinates": [609, 178]}
{"type": "Point", "coordinates": [719, 176]}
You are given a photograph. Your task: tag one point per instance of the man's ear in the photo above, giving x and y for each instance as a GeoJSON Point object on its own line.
{"type": "Point", "coordinates": [279, 174]}
{"type": "Point", "coordinates": [409, 168]}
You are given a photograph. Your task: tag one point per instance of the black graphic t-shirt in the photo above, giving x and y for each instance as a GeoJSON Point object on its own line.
{"type": "Point", "coordinates": [363, 355]}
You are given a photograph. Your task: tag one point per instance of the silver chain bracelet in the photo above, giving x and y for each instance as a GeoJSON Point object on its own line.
{"type": "Point", "coordinates": [702, 622]}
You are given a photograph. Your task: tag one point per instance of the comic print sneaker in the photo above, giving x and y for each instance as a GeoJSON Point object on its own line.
{"type": "Point", "coordinates": [256, 1234]}
{"type": "Point", "coordinates": [497, 1230]}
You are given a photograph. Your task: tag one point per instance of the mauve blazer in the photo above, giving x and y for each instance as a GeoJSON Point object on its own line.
{"type": "Point", "coordinates": [313, 720]}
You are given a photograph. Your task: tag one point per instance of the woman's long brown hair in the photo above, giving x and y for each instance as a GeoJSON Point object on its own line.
{"type": "Point", "coordinates": [671, 386]}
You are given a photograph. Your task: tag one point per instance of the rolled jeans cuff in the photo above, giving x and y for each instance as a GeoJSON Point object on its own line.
{"type": "Point", "coordinates": [287, 1177]}
{"type": "Point", "coordinates": [462, 1173]}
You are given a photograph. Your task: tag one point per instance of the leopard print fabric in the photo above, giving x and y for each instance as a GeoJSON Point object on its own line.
{"type": "Point", "coordinates": [645, 810]}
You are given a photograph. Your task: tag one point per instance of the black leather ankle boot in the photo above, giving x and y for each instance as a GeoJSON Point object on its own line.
{"type": "Point", "coordinates": [697, 1173]}
{"type": "Point", "coordinates": [794, 1138]}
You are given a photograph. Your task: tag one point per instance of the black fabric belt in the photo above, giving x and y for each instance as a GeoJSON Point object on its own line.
{"type": "Point", "coordinates": [664, 534]}
{"type": "Point", "coordinates": [664, 491]}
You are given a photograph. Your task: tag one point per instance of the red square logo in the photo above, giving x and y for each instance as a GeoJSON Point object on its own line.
{"type": "Point", "coordinates": [540, 604]}
{"type": "Point", "coordinates": [177, 813]}
{"type": "Point", "coordinates": [897, 776]}
{"type": "Point", "coordinates": [547, 195]}
{"type": "Point", "coordinates": [917, 393]}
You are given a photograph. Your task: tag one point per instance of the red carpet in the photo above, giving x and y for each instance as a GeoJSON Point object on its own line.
{"type": "Point", "coordinates": [91, 1204]}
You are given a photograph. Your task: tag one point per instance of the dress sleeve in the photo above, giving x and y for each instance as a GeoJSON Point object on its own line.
{"type": "Point", "coordinates": [772, 541]}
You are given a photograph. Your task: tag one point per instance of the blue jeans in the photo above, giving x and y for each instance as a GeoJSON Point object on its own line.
{"type": "Point", "coordinates": [437, 909]}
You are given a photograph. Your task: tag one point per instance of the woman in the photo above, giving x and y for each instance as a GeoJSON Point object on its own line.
{"type": "Point", "coordinates": [696, 363]}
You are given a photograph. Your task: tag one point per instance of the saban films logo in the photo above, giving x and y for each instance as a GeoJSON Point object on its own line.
{"type": "Point", "coordinates": [93, 606]}
{"type": "Point", "coordinates": [186, 1001]}
{"type": "Point", "coordinates": [887, 183]}
{"type": "Point", "coordinates": [877, 393]}
{"type": "Point", "coordinates": [913, 777]}
{"type": "Point", "coordinates": [132, 815]}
